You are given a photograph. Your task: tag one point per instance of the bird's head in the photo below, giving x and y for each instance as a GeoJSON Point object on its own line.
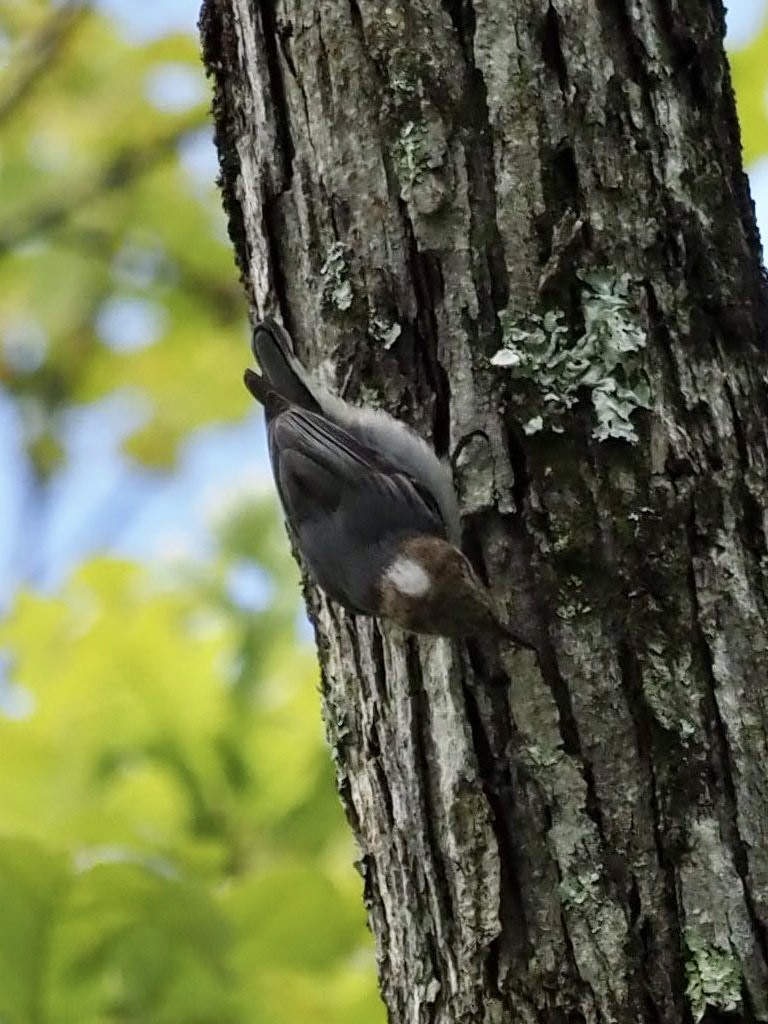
{"type": "Point", "coordinates": [429, 586]}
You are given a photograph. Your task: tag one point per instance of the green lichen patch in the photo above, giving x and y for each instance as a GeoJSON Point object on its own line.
{"type": "Point", "coordinates": [337, 288]}
{"type": "Point", "coordinates": [604, 359]}
{"type": "Point", "coordinates": [714, 975]}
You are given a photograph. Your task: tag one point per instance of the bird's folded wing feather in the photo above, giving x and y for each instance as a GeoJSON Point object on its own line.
{"type": "Point", "coordinates": [321, 469]}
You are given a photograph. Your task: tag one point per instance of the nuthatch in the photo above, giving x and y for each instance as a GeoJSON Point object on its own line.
{"type": "Point", "coordinates": [370, 506]}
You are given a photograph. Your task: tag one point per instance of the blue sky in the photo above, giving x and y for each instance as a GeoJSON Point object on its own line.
{"type": "Point", "coordinates": [142, 20]}
{"type": "Point", "coordinates": [104, 502]}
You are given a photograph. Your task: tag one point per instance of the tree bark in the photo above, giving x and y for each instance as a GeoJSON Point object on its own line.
{"type": "Point", "coordinates": [416, 188]}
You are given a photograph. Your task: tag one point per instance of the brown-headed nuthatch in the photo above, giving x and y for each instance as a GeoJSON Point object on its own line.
{"type": "Point", "coordinates": [371, 508]}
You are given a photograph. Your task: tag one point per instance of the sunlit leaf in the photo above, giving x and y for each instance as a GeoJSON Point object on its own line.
{"type": "Point", "coordinates": [750, 80]}
{"type": "Point", "coordinates": [33, 884]}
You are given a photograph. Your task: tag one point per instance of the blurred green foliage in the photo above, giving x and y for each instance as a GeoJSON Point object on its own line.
{"type": "Point", "coordinates": [171, 846]}
{"type": "Point", "coordinates": [95, 206]}
{"type": "Point", "coordinates": [749, 69]}
{"type": "Point", "coordinates": [172, 850]}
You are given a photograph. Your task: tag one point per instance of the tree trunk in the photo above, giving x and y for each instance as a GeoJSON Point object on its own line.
{"type": "Point", "coordinates": [418, 189]}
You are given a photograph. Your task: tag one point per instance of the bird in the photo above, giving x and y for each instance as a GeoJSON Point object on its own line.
{"type": "Point", "coordinates": [370, 507]}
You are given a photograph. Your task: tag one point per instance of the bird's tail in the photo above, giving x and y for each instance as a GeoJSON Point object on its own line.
{"type": "Point", "coordinates": [263, 392]}
{"type": "Point", "coordinates": [282, 371]}
{"type": "Point", "coordinates": [258, 386]}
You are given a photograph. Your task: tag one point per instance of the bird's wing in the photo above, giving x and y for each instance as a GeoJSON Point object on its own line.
{"type": "Point", "coordinates": [346, 505]}
{"type": "Point", "coordinates": [321, 470]}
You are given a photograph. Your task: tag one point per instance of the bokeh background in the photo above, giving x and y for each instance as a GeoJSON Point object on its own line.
{"type": "Point", "coordinates": [171, 847]}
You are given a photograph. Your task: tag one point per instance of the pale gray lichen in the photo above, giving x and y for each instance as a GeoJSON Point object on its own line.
{"type": "Point", "coordinates": [419, 156]}
{"type": "Point", "coordinates": [666, 687]}
{"type": "Point", "coordinates": [571, 604]}
{"type": "Point", "coordinates": [405, 81]}
{"type": "Point", "coordinates": [337, 288]}
{"type": "Point", "coordinates": [410, 153]}
{"type": "Point", "coordinates": [604, 359]}
{"type": "Point", "coordinates": [385, 331]}
{"type": "Point", "coordinates": [714, 975]}
{"type": "Point", "coordinates": [576, 890]}
{"type": "Point", "coordinates": [570, 611]}
{"type": "Point", "coordinates": [544, 756]}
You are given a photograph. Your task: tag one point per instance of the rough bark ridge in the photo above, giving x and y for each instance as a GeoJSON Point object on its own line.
{"type": "Point", "coordinates": [582, 836]}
